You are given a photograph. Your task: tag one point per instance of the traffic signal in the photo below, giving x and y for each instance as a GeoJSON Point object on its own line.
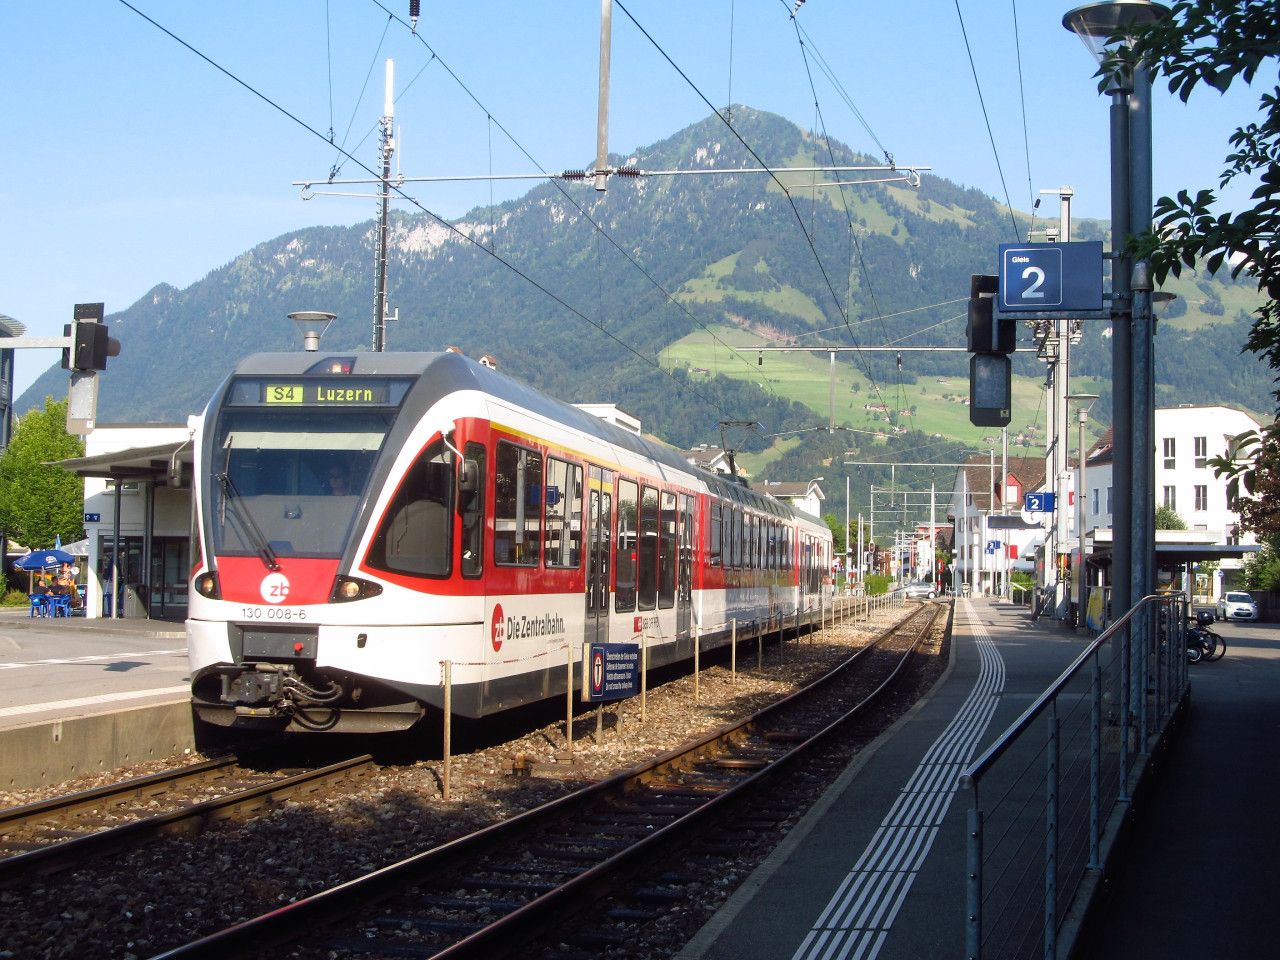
{"type": "Point", "coordinates": [90, 343]}
{"type": "Point", "coordinates": [991, 340]}
{"type": "Point", "coordinates": [986, 333]}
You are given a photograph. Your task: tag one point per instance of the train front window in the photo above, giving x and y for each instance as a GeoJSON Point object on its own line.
{"type": "Point", "coordinates": [288, 485]}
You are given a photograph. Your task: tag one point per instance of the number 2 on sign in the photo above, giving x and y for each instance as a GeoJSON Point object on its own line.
{"type": "Point", "coordinates": [1036, 275]}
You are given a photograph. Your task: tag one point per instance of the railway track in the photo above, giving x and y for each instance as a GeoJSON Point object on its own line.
{"type": "Point", "coordinates": [487, 893]}
{"type": "Point", "coordinates": [59, 833]}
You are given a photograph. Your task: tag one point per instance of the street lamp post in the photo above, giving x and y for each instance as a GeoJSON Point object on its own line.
{"type": "Point", "coordinates": [1133, 414]}
{"type": "Point", "coordinates": [1082, 490]}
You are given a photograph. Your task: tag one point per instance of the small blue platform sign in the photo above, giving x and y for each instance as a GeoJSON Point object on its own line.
{"type": "Point", "coordinates": [93, 518]}
{"type": "Point", "coordinates": [1038, 502]}
{"type": "Point", "coordinates": [1050, 277]}
{"type": "Point", "coordinates": [610, 671]}
{"type": "Point", "coordinates": [993, 546]}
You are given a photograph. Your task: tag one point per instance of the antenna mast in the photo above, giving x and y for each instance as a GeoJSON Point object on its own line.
{"type": "Point", "coordinates": [380, 253]}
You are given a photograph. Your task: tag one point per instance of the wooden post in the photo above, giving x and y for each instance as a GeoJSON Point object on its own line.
{"type": "Point", "coordinates": [448, 727]}
{"type": "Point", "coordinates": [599, 723]}
{"type": "Point", "coordinates": [644, 677]}
{"type": "Point", "coordinates": [697, 667]}
{"type": "Point", "coordinates": [568, 701]}
{"type": "Point", "coordinates": [733, 654]}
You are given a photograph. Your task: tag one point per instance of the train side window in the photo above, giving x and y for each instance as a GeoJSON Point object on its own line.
{"type": "Point", "coordinates": [667, 552]}
{"type": "Point", "coordinates": [517, 506]}
{"type": "Point", "coordinates": [472, 509]}
{"type": "Point", "coordinates": [624, 591]}
{"type": "Point", "coordinates": [563, 530]}
{"type": "Point", "coordinates": [647, 555]}
{"type": "Point", "coordinates": [416, 535]}
{"type": "Point", "coordinates": [713, 536]}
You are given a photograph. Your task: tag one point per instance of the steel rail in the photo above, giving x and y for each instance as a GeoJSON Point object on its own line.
{"type": "Point", "coordinates": [67, 853]}
{"type": "Point", "coordinates": [285, 923]}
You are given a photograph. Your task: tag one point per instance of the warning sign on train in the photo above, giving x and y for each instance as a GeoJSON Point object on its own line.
{"type": "Point", "coordinates": [610, 671]}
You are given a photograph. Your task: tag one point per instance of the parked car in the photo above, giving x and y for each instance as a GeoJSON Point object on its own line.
{"type": "Point", "coordinates": [920, 590]}
{"type": "Point", "coordinates": [1237, 606]}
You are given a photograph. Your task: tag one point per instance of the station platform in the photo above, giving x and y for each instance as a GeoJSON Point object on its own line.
{"type": "Point", "coordinates": [82, 695]}
{"type": "Point", "coordinates": [877, 868]}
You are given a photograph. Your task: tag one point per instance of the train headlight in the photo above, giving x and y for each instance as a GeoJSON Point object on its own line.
{"type": "Point", "coordinates": [346, 589]}
{"type": "Point", "coordinates": [207, 586]}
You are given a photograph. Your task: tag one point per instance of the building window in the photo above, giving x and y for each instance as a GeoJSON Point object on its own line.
{"type": "Point", "coordinates": [1171, 498]}
{"type": "Point", "coordinates": [1095, 500]}
{"type": "Point", "coordinates": [1169, 453]}
{"type": "Point", "coordinates": [1202, 451]}
{"type": "Point", "coordinates": [1202, 497]}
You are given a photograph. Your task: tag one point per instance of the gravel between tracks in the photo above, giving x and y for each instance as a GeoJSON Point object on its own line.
{"type": "Point", "coordinates": [169, 892]}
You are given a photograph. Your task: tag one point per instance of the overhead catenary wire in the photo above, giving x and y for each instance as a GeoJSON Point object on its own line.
{"type": "Point", "coordinates": [786, 192]}
{"type": "Point", "coordinates": [430, 213]}
{"type": "Point", "coordinates": [987, 120]}
{"type": "Point", "coordinates": [564, 193]}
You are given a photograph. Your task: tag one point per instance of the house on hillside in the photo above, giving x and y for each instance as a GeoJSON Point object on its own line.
{"type": "Point", "coordinates": [805, 496]}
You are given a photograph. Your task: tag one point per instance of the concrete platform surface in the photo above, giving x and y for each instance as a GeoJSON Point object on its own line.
{"type": "Point", "coordinates": [876, 869]}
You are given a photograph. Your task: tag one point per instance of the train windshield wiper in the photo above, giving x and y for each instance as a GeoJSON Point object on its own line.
{"type": "Point", "coordinates": [249, 529]}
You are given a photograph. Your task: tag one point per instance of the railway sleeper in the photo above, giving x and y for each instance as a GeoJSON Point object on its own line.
{"type": "Point", "coordinates": [655, 809]}
{"type": "Point", "coordinates": [443, 902]}
{"type": "Point", "coordinates": [524, 886]}
{"type": "Point", "coordinates": [516, 869]}
{"type": "Point", "coordinates": [410, 925]}
{"type": "Point", "coordinates": [382, 948]}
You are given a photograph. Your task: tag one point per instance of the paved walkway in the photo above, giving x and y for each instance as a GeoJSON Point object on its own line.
{"type": "Point", "coordinates": [877, 868]}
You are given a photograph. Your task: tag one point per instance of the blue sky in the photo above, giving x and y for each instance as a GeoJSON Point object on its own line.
{"type": "Point", "coordinates": [129, 160]}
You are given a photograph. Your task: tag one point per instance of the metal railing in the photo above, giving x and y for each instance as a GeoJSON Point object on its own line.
{"type": "Point", "coordinates": [1049, 793]}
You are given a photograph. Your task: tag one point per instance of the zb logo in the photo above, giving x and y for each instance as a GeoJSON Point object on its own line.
{"type": "Point", "coordinates": [274, 588]}
{"type": "Point", "coordinates": [499, 627]}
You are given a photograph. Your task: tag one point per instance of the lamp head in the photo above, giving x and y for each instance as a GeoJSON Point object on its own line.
{"type": "Point", "coordinates": [313, 324]}
{"type": "Point", "coordinates": [1096, 23]}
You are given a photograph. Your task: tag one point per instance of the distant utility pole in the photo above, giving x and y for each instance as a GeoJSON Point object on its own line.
{"type": "Point", "coordinates": [380, 252]}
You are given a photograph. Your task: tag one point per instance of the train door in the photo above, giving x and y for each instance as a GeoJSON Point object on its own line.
{"type": "Point", "coordinates": [599, 550]}
{"type": "Point", "coordinates": [684, 571]}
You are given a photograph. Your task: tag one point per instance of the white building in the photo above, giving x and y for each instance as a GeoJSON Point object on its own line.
{"type": "Point", "coordinates": [1186, 437]}
{"type": "Point", "coordinates": [137, 495]}
{"type": "Point", "coordinates": [989, 544]}
{"type": "Point", "coordinates": [807, 497]}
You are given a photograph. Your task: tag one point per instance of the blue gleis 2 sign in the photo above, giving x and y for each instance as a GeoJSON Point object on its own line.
{"type": "Point", "coordinates": [1050, 277]}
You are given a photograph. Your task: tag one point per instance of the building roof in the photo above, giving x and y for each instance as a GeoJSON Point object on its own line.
{"type": "Point", "coordinates": [1027, 471]}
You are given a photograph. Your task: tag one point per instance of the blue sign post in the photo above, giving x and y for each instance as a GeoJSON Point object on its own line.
{"type": "Point", "coordinates": [1050, 277]}
{"type": "Point", "coordinates": [1038, 502]}
{"type": "Point", "coordinates": [610, 671]}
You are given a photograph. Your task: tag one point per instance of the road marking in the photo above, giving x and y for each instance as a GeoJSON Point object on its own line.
{"type": "Point", "coordinates": [859, 916]}
{"type": "Point", "coordinates": [97, 658]}
{"type": "Point", "coordinates": [58, 705]}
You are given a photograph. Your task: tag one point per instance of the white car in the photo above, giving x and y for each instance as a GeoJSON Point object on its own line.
{"type": "Point", "coordinates": [1237, 606]}
{"type": "Point", "coordinates": [920, 590]}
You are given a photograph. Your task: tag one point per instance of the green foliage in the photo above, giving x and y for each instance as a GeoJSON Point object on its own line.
{"type": "Point", "coordinates": [837, 531]}
{"type": "Point", "coordinates": [1262, 570]}
{"type": "Point", "coordinates": [14, 598]}
{"type": "Point", "coordinates": [1216, 43]}
{"type": "Point", "coordinates": [1252, 468]}
{"type": "Point", "coordinates": [40, 502]}
{"type": "Point", "coordinates": [877, 584]}
{"type": "Point", "coordinates": [1167, 518]}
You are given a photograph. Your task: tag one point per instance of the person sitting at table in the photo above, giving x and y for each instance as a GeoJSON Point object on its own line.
{"type": "Point", "coordinates": [65, 585]}
{"type": "Point", "coordinates": [41, 589]}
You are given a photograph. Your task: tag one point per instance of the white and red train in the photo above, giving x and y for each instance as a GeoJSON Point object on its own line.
{"type": "Point", "coordinates": [362, 520]}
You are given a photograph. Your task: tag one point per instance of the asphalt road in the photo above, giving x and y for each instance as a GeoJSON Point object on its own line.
{"type": "Point", "coordinates": [58, 667]}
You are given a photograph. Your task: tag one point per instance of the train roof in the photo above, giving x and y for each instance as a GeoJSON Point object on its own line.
{"type": "Point", "coordinates": [448, 372]}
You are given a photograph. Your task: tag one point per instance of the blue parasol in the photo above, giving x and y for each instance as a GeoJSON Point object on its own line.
{"type": "Point", "coordinates": [43, 559]}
